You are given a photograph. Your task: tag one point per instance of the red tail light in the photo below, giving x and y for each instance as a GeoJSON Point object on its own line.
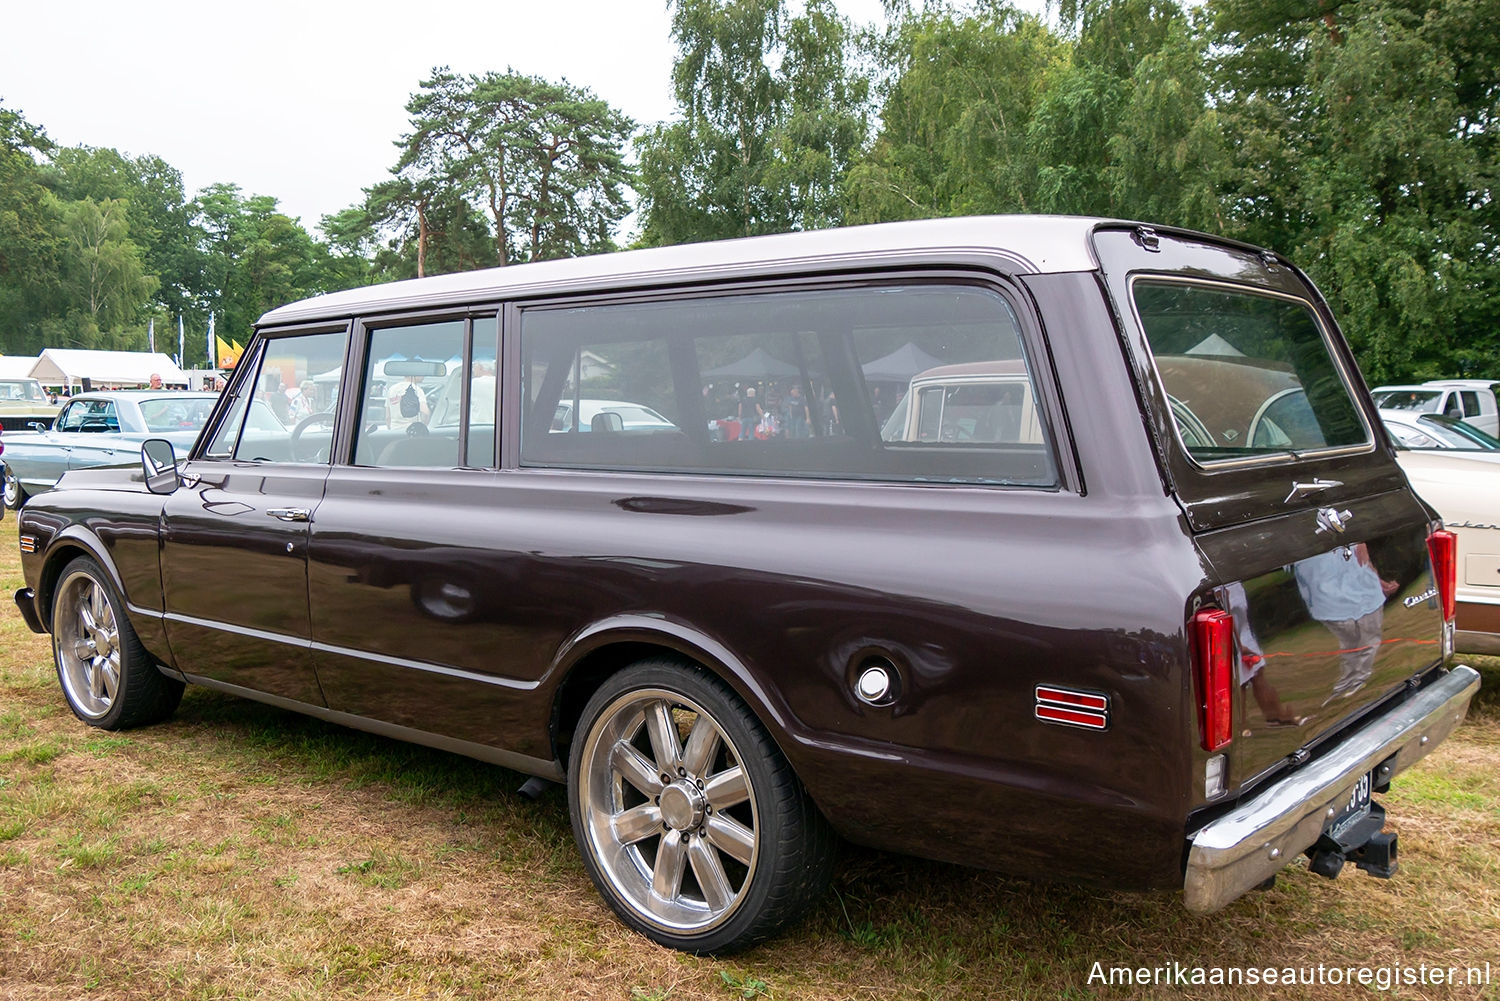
{"type": "Point", "coordinates": [1213, 656]}
{"type": "Point", "coordinates": [1443, 545]}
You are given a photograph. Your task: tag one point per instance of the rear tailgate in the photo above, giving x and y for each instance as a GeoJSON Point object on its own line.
{"type": "Point", "coordinates": [1266, 435]}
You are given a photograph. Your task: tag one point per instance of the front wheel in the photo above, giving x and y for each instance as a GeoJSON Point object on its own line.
{"type": "Point", "coordinates": [107, 676]}
{"type": "Point", "coordinates": [691, 822]}
{"type": "Point", "coordinates": [15, 494]}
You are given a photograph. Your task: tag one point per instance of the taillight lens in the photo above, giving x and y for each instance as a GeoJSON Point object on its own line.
{"type": "Point", "coordinates": [1213, 654]}
{"type": "Point", "coordinates": [1443, 545]}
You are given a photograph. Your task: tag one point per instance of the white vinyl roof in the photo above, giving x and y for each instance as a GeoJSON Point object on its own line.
{"type": "Point", "coordinates": [69, 366]}
{"type": "Point", "coordinates": [1024, 244]}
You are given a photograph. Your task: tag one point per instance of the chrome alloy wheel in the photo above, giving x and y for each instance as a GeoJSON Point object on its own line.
{"type": "Point", "coordinates": [12, 490]}
{"type": "Point", "coordinates": [87, 635]}
{"type": "Point", "coordinates": [669, 812]}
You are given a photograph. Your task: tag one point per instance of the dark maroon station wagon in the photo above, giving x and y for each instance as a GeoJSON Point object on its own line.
{"type": "Point", "coordinates": [1063, 546]}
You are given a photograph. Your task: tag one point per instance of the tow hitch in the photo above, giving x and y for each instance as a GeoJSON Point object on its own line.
{"type": "Point", "coordinates": [1358, 840]}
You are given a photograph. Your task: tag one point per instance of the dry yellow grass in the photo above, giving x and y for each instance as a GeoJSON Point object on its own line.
{"type": "Point", "coordinates": [242, 852]}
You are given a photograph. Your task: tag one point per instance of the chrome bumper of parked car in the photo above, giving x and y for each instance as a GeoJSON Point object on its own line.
{"type": "Point", "coordinates": [1242, 849]}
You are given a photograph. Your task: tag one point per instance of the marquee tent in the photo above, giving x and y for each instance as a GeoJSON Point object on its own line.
{"type": "Point", "coordinates": [900, 365]}
{"type": "Point", "coordinates": [16, 366]}
{"type": "Point", "coordinates": [69, 367]}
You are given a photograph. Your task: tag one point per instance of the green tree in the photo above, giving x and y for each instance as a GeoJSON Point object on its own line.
{"type": "Point", "coordinates": [1367, 152]}
{"type": "Point", "coordinates": [104, 279]}
{"type": "Point", "coordinates": [156, 212]}
{"type": "Point", "coordinates": [543, 162]}
{"type": "Point", "coordinates": [257, 258]}
{"type": "Point", "coordinates": [30, 241]}
{"type": "Point", "coordinates": [773, 115]}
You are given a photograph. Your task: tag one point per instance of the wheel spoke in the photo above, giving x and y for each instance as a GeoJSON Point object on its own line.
{"type": "Point", "coordinates": [666, 880]}
{"type": "Point", "coordinates": [709, 871]}
{"type": "Point", "coordinates": [637, 823]}
{"type": "Point", "coordinates": [96, 677]}
{"type": "Point", "coordinates": [86, 619]}
{"type": "Point", "coordinates": [664, 738]}
{"type": "Point", "coordinates": [634, 768]}
{"type": "Point", "coordinates": [702, 743]}
{"type": "Point", "coordinates": [731, 837]}
{"type": "Point", "coordinates": [110, 669]}
{"type": "Point", "coordinates": [98, 607]}
{"type": "Point", "coordinates": [727, 788]}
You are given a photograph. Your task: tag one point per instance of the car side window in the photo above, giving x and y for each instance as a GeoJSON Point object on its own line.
{"type": "Point", "coordinates": [1452, 406]}
{"type": "Point", "coordinates": [1471, 403]}
{"type": "Point", "coordinates": [283, 411]}
{"type": "Point", "coordinates": [428, 397]}
{"type": "Point", "coordinates": [794, 383]}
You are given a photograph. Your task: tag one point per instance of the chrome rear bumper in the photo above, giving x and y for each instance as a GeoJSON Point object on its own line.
{"type": "Point", "coordinates": [1242, 849]}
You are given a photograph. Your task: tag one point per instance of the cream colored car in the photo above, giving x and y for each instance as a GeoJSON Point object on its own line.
{"type": "Point", "coordinates": [1465, 489]}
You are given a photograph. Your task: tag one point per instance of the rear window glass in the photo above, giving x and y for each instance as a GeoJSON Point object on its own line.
{"type": "Point", "coordinates": [911, 382]}
{"type": "Point", "coordinates": [1246, 374]}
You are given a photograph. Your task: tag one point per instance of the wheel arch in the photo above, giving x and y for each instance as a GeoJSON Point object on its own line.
{"type": "Point", "coordinates": [597, 653]}
{"type": "Point", "coordinates": [71, 543]}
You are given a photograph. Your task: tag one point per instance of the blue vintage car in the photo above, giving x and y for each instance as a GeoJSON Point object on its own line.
{"type": "Point", "coordinates": [99, 429]}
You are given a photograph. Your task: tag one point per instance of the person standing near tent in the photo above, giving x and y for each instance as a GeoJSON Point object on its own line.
{"type": "Point", "coordinates": [749, 414]}
{"type": "Point", "coordinates": [156, 380]}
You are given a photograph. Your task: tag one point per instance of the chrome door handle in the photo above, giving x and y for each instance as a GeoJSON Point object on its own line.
{"type": "Point", "coordinates": [290, 513]}
{"type": "Point", "coordinates": [1301, 490]}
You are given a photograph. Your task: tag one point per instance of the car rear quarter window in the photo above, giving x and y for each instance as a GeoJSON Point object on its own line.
{"type": "Point", "coordinates": [1248, 374]}
{"type": "Point", "coordinates": [811, 383]}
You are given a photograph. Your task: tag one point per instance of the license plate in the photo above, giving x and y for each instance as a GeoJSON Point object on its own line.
{"type": "Point", "coordinates": [1356, 806]}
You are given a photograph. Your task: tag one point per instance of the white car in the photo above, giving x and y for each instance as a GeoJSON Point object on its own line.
{"type": "Point", "coordinates": [1464, 487]}
{"type": "Point", "coordinates": [632, 416]}
{"type": "Point", "coordinates": [1436, 431]}
{"type": "Point", "coordinates": [1470, 400]}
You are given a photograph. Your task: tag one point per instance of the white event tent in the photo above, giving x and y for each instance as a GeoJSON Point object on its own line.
{"type": "Point", "coordinates": [16, 366]}
{"type": "Point", "coordinates": [69, 367]}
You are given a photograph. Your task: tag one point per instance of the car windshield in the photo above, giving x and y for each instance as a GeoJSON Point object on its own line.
{"type": "Point", "coordinates": [21, 389]}
{"type": "Point", "coordinates": [1247, 374]}
{"type": "Point", "coordinates": [181, 413]}
{"type": "Point", "coordinates": [1421, 400]}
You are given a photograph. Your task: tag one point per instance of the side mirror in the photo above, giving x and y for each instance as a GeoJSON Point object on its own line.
{"type": "Point", "coordinates": [608, 421]}
{"type": "Point", "coordinates": [38, 425]}
{"type": "Point", "coordinates": [159, 463]}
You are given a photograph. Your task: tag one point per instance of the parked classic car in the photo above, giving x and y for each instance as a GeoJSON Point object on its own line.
{"type": "Point", "coordinates": [1470, 400]}
{"type": "Point", "coordinates": [1140, 640]}
{"type": "Point", "coordinates": [99, 429]}
{"type": "Point", "coordinates": [23, 401]}
{"type": "Point", "coordinates": [1436, 431]}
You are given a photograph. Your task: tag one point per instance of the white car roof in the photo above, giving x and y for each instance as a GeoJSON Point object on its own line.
{"type": "Point", "coordinates": [1027, 244]}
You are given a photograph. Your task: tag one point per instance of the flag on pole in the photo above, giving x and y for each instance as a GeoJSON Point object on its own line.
{"type": "Point", "coordinates": [180, 350]}
{"type": "Point", "coordinates": [151, 334]}
{"type": "Point", "coordinates": [209, 343]}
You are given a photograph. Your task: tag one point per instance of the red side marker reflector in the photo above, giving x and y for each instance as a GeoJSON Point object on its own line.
{"type": "Point", "coordinates": [1072, 717]}
{"type": "Point", "coordinates": [1070, 707]}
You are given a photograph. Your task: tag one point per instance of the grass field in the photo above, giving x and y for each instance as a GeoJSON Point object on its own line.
{"type": "Point", "coordinates": [243, 852]}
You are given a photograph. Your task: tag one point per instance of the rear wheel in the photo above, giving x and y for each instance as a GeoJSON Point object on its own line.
{"type": "Point", "coordinates": [15, 494]}
{"type": "Point", "coordinates": [691, 822]}
{"type": "Point", "coordinates": [108, 678]}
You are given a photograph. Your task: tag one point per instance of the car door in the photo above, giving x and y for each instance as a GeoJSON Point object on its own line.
{"type": "Point", "coordinates": [50, 451]}
{"type": "Point", "coordinates": [98, 442]}
{"type": "Point", "coordinates": [234, 537]}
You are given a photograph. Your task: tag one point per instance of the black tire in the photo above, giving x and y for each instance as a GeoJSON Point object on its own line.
{"type": "Point", "coordinates": [729, 878]}
{"type": "Point", "coordinates": [14, 493]}
{"type": "Point", "coordinates": [107, 677]}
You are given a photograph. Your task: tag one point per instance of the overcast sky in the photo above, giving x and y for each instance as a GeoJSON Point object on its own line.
{"type": "Point", "coordinates": [303, 99]}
